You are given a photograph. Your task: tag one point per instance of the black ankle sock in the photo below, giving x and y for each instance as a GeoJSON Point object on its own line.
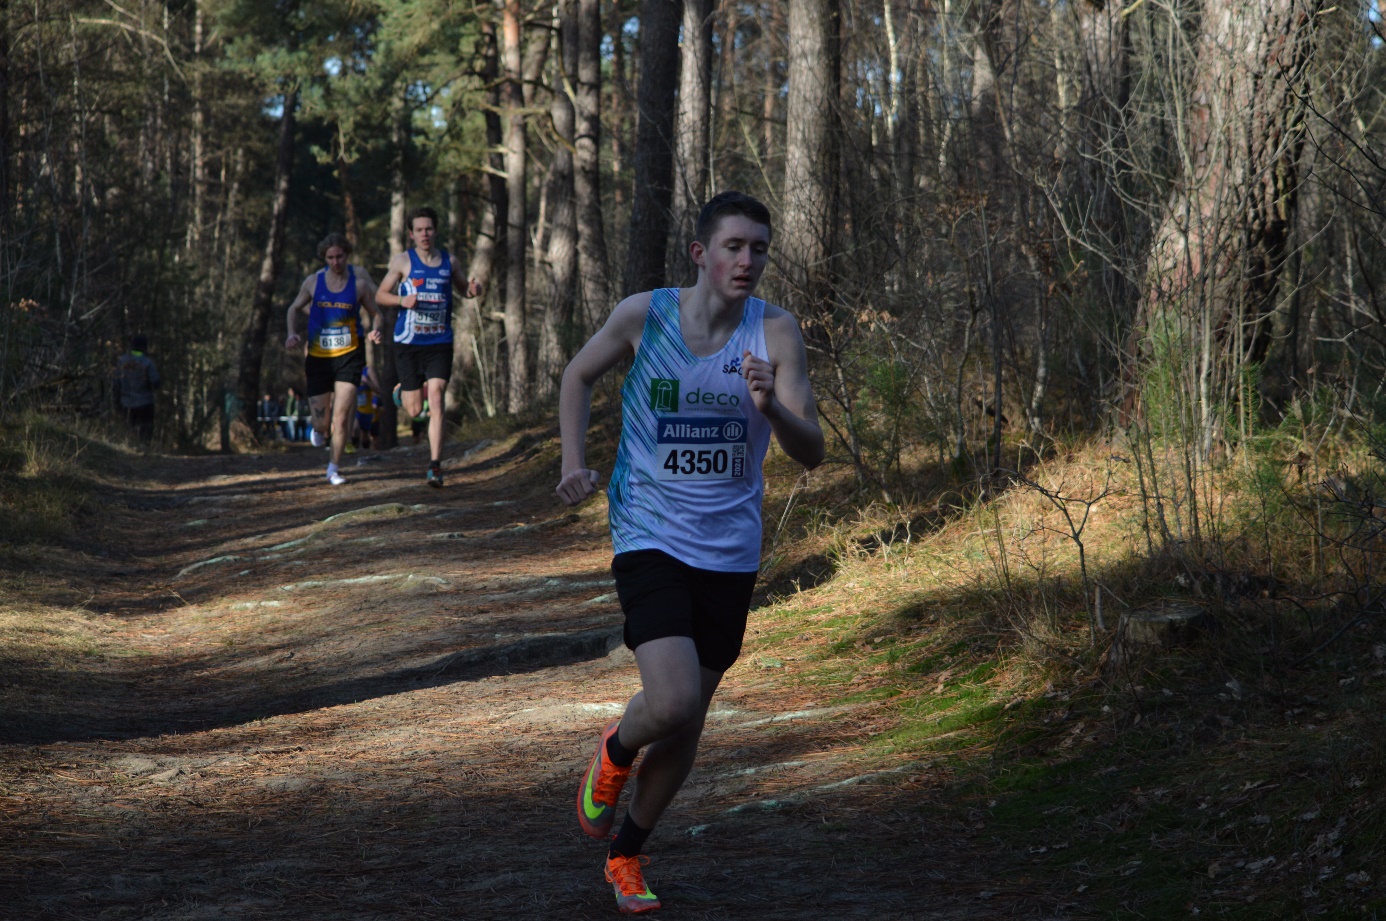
{"type": "Point", "coordinates": [618, 753]}
{"type": "Point", "coordinates": [630, 840]}
{"type": "Point", "coordinates": [435, 465]}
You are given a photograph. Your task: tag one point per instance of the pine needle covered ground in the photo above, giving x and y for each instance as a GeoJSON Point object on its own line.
{"type": "Point", "coordinates": [230, 691]}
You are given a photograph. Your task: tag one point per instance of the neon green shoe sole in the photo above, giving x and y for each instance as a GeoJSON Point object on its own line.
{"type": "Point", "coordinates": [601, 787]}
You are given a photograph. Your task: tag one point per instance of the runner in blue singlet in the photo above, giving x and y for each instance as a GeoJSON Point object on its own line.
{"type": "Point", "coordinates": [420, 282]}
{"type": "Point", "coordinates": [716, 372]}
{"type": "Point", "coordinates": [333, 299]}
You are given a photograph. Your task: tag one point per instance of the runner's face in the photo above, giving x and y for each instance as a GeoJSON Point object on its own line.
{"type": "Point", "coordinates": [422, 233]}
{"type": "Point", "coordinates": [735, 256]}
{"type": "Point", "coordinates": [336, 258]}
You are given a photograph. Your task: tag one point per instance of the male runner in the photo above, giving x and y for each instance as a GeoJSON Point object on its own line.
{"type": "Point", "coordinates": [716, 372]}
{"type": "Point", "coordinates": [333, 298]}
{"type": "Point", "coordinates": [420, 281]}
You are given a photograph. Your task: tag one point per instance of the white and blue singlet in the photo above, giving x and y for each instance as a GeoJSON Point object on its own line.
{"type": "Point", "coordinates": [687, 478]}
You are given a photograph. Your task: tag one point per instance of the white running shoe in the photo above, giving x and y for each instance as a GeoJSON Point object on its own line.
{"type": "Point", "coordinates": [336, 479]}
{"type": "Point", "coordinates": [317, 439]}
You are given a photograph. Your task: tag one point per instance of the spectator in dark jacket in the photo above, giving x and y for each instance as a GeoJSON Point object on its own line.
{"type": "Point", "coordinates": [267, 414]}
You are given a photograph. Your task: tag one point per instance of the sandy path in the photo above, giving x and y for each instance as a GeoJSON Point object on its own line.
{"type": "Point", "coordinates": [384, 715]}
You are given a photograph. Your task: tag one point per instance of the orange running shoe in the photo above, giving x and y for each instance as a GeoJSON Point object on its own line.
{"type": "Point", "coordinates": [632, 895]}
{"type": "Point", "coordinates": [601, 786]}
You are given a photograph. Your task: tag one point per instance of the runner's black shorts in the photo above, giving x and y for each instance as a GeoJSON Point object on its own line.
{"type": "Point", "coordinates": [324, 373]}
{"type": "Point", "coordinates": [662, 596]}
{"type": "Point", "coordinates": [419, 363]}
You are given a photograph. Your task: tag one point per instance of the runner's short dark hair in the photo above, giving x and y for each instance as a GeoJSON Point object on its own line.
{"type": "Point", "coordinates": [728, 203]}
{"type": "Point", "coordinates": [418, 213]}
{"type": "Point", "coordinates": [331, 240]}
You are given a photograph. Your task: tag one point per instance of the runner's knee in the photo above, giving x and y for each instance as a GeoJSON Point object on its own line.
{"type": "Point", "coordinates": [673, 714]}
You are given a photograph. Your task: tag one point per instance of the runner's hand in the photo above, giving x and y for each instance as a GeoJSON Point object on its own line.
{"type": "Point", "coordinates": [375, 337]}
{"type": "Point", "coordinates": [293, 341]}
{"type": "Point", "coordinates": [577, 486]}
{"type": "Point", "coordinates": [474, 288]}
{"type": "Point", "coordinates": [760, 379]}
{"type": "Point", "coordinates": [408, 302]}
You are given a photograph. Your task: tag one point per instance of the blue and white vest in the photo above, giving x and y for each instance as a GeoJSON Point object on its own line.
{"type": "Point", "coordinates": [430, 322]}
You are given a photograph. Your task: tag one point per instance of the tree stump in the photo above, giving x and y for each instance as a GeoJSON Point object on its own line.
{"type": "Point", "coordinates": [1156, 626]}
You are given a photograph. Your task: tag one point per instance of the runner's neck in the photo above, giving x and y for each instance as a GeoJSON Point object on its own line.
{"type": "Point", "coordinates": [706, 321]}
{"type": "Point", "coordinates": [336, 283]}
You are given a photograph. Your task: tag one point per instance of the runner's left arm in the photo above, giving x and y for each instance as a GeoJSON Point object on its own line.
{"type": "Point", "coordinates": [780, 389]}
{"type": "Point", "coordinates": [473, 288]}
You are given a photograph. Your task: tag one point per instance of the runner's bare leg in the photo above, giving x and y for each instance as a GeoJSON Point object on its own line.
{"type": "Point", "coordinates": [343, 405]}
{"type": "Point", "coordinates": [437, 418]}
{"type": "Point", "coordinates": [666, 719]}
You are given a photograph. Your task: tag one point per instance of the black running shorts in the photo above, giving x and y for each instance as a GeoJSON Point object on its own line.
{"type": "Point", "coordinates": [419, 363]}
{"type": "Point", "coordinates": [324, 373]}
{"type": "Point", "coordinates": [662, 596]}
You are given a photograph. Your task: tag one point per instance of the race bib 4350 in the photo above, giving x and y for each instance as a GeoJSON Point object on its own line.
{"type": "Point", "coordinates": [700, 448]}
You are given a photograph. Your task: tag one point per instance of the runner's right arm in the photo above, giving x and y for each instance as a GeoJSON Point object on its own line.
{"type": "Point", "coordinates": [616, 340]}
{"type": "Point", "coordinates": [302, 301]}
{"type": "Point", "coordinates": [385, 296]}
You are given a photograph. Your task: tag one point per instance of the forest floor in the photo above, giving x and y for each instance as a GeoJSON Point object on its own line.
{"type": "Point", "coordinates": [284, 700]}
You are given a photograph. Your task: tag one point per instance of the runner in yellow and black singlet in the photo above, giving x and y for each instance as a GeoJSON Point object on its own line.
{"type": "Point", "coordinates": [332, 299]}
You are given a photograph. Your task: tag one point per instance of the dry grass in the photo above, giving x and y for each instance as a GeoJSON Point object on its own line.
{"type": "Point", "coordinates": [935, 673]}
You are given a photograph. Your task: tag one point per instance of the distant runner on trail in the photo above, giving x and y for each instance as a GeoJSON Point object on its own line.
{"type": "Point", "coordinates": [367, 411]}
{"type": "Point", "coordinates": [420, 281]}
{"type": "Point", "coordinates": [333, 299]}
{"type": "Point", "coordinates": [136, 379]}
{"type": "Point", "coordinates": [716, 372]}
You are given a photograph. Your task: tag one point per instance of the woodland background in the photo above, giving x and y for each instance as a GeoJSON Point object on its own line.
{"type": "Point", "coordinates": [996, 218]}
{"type": "Point", "coordinates": [1093, 297]}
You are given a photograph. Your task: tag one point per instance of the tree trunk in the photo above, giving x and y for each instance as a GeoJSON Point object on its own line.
{"type": "Point", "coordinates": [385, 370]}
{"type": "Point", "coordinates": [727, 114]}
{"type": "Point", "coordinates": [256, 331]}
{"type": "Point", "coordinates": [587, 177]}
{"type": "Point", "coordinates": [399, 184]}
{"type": "Point", "coordinates": [904, 101]}
{"type": "Point", "coordinates": [810, 151]}
{"type": "Point", "coordinates": [987, 127]}
{"type": "Point", "coordinates": [516, 228]}
{"type": "Point", "coordinates": [770, 88]}
{"type": "Point", "coordinates": [556, 335]}
{"type": "Point", "coordinates": [654, 152]}
{"type": "Point", "coordinates": [1094, 147]}
{"type": "Point", "coordinates": [694, 128]}
{"type": "Point", "coordinates": [199, 133]}
{"type": "Point", "coordinates": [1218, 251]}
{"type": "Point", "coordinates": [6, 152]}
{"type": "Point", "coordinates": [488, 264]}
{"type": "Point", "coordinates": [620, 104]}
{"type": "Point", "coordinates": [353, 220]}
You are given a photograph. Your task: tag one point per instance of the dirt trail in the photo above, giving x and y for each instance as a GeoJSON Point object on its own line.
{"type": "Point", "coordinates": [375, 702]}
